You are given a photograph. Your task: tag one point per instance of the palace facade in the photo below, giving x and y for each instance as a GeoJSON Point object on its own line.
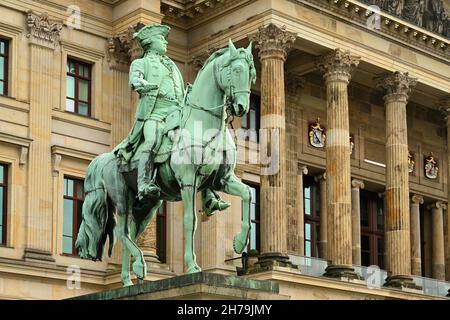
{"type": "Point", "coordinates": [358, 96]}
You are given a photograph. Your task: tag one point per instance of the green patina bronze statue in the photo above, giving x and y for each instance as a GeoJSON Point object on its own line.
{"type": "Point", "coordinates": [179, 145]}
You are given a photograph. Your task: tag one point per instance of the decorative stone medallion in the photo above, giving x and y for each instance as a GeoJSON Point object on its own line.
{"type": "Point", "coordinates": [431, 167]}
{"type": "Point", "coordinates": [317, 134]}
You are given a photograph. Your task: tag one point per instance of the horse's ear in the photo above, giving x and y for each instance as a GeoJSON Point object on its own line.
{"type": "Point", "coordinates": [233, 50]}
{"type": "Point", "coordinates": [249, 48]}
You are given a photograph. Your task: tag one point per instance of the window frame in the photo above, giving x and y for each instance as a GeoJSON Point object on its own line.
{"type": "Point", "coordinates": [6, 57]}
{"type": "Point", "coordinates": [247, 124]}
{"type": "Point", "coordinates": [4, 185]}
{"type": "Point", "coordinates": [256, 221]}
{"type": "Point", "coordinates": [314, 218]}
{"type": "Point", "coordinates": [374, 203]}
{"type": "Point", "coordinates": [77, 77]}
{"type": "Point", "coordinates": [75, 220]}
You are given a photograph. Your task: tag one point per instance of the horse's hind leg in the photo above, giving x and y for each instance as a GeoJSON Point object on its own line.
{"type": "Point", "coordinates": [188, 195]}
{"type": "Point", "coordinates": [125, 274]}
{"type": "Point", "coordinates": [235, 187]}
{"type": "Point", "coordinates": [124, 223]}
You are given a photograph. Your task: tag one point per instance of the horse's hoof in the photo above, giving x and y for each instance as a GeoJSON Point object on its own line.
{"type": "Point", "coordinates": [194, 269]}
{"type": "Point", "coordinates": [127, 283]}
{"type": "Point", "coordinates": [140, 270]}
{"type": "Point", "coordinates": [238, 245]}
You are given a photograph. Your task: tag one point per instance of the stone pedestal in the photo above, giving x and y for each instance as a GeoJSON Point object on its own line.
{"type": "Point", "coordinates": [273, 44]}
{"type": "Point", "coordinates": [337, 67]}
{"type": "Point", "coordinates": [195, 286]}
{"type": "Point", "coordinates": [416, 256]}
{"type": "Point", "coordinates": [147, 243]}
{"type": "Point", "coordinates": [398, 246]}
{"type": "Point", "coordinates": [356, 221]}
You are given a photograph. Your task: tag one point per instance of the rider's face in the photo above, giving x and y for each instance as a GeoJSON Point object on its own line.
{"type": "Point", "coordinates": [159, 44]}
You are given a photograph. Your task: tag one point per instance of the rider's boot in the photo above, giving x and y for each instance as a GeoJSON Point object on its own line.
{"type": "Point", "coordinates": [212, 202]}
{"type": "Point", "coordinates": [146, 185]}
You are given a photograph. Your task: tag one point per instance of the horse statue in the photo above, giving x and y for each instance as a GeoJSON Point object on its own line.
{"type": "Point", "coordinates": [188, 163]}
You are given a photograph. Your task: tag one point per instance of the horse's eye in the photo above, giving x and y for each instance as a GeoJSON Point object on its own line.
{"type": "Point", "coordinates": [238, 69]}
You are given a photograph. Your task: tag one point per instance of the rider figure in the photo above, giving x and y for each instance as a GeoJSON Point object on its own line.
{"type": "Point", "coordinates": [161, 90]}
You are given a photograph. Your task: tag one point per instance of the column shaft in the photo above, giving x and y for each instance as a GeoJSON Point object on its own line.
{"type": "Point", "coordinates": [300, 209]}
{"type": "Point", "coordinates": [336, 67]}
{"type": "Point", "coordinates": [42, 99]}
{"type": "Point", "coordinates": [356, 221]}
{"type": "Point", "coordinates": [438, 251]}
{"type": "Point", "coordinates": [397, 218]}
{"type": "Point", "coordinates": [273, 44]}
{"type": "Point", "coordinates": [323, 232]}
{"type": "Point", "coordinates": [416, 256]}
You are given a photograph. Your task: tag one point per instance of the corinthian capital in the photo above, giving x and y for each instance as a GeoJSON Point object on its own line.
{"type": "Point", "coordinates": [43, 30]}
{"type": "Point", "coordinates": [338, 63]}
{"type": "Point", "coordinates": [273, 41]}
{"type": "Point", "coordinates": [123, 49]}
{"type": "Point", "coordinates": [444, 107]}
{"type": "Point", "coordinates": [397, 83]}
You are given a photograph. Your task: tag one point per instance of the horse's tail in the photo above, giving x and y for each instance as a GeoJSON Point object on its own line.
{"type": "Point", "coordinates": [96, 224]}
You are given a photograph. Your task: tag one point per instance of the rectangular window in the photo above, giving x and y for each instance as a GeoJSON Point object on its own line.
{"type": "Point", "coordinates": [78, 87]}
{"type": "Point", "coordinates": [161, 233]}
{"type": "Point", "coordinates": [312, 216]}
{"type": "Point", "coordinates": [73, 205]}
{"type": "Point", "coordinates": [4, 66]}
{"type": "Point", "coordinates": [251, 120]}
{"type": "Point", "coordinates": [3, 203]}
{"type": "Point", "coordinates": [372, 229]}
{"type": "Point", "coordinates": [254, 240]}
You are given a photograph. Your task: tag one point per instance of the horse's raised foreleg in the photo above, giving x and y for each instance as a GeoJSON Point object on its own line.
{"type": "Point", "coordinates": [188, 195]}
{"type": "Point", "coordinates": [235, 187]}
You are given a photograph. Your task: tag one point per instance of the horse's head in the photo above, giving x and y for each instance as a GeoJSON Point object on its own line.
{"type": "Point", "coordinates": [237, 74]}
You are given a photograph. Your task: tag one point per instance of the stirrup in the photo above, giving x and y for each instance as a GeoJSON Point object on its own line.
{"type": "Point", "coordinates": [215, 204]}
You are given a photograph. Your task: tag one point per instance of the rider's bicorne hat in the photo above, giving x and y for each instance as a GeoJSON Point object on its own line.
{"type": "Point", "coordinates": [147, 33]}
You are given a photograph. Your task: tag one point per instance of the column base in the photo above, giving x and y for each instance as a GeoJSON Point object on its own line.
{"type": "Point", "coordinates": [266, 262]}
{"type": "Point", "coordinates": [400, 281]}
{"type": "Point", "coordinates": [272, 259]}
{"type": "Point", "coordinates": [341, 271]}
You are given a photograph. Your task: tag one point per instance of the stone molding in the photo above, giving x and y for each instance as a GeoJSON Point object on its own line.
{"type": "Point", "coordinates": [321, 177]}
{"type": "Point", "coordinates": [337, 65]}
{"type": "Point", "coordinates": [396, 85]}
{"type": "Point", "coordinates": [273, 41]}
{"type": "Point", "coordinates": [302, 169]}
{"type": "Point", "coordinates": [42, 29]}
{"type": "Point", "coordinates": [416, 199]}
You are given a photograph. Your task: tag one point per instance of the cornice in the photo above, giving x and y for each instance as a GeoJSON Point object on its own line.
{"type": "Point", "coordinates": [358, 13]}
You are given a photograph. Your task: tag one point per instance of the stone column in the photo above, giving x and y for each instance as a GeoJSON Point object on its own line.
{"type": "Point", "coordinates": [356, 221]}
{"type": "Point", "coordinates": [337, 67]}
{"type": "Point", "coordinates": [398, 246]}
{"type": "Point", "coordinates": [437, 243]}
{"type": "Point", "coordinates": [300, 210]}
{"type": "Point", "coordinates": [44, 77]}
{"type": "Point", "coordinates": [273, 44]}
{"type": "Point", "coordinates": [147, 243]}
{"type": "Point", "coordinates": [445, 107]}
{"type": "Point", "coordinates": [416, 256]}
{"type": "Point", "coordinates": [323, 236]}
